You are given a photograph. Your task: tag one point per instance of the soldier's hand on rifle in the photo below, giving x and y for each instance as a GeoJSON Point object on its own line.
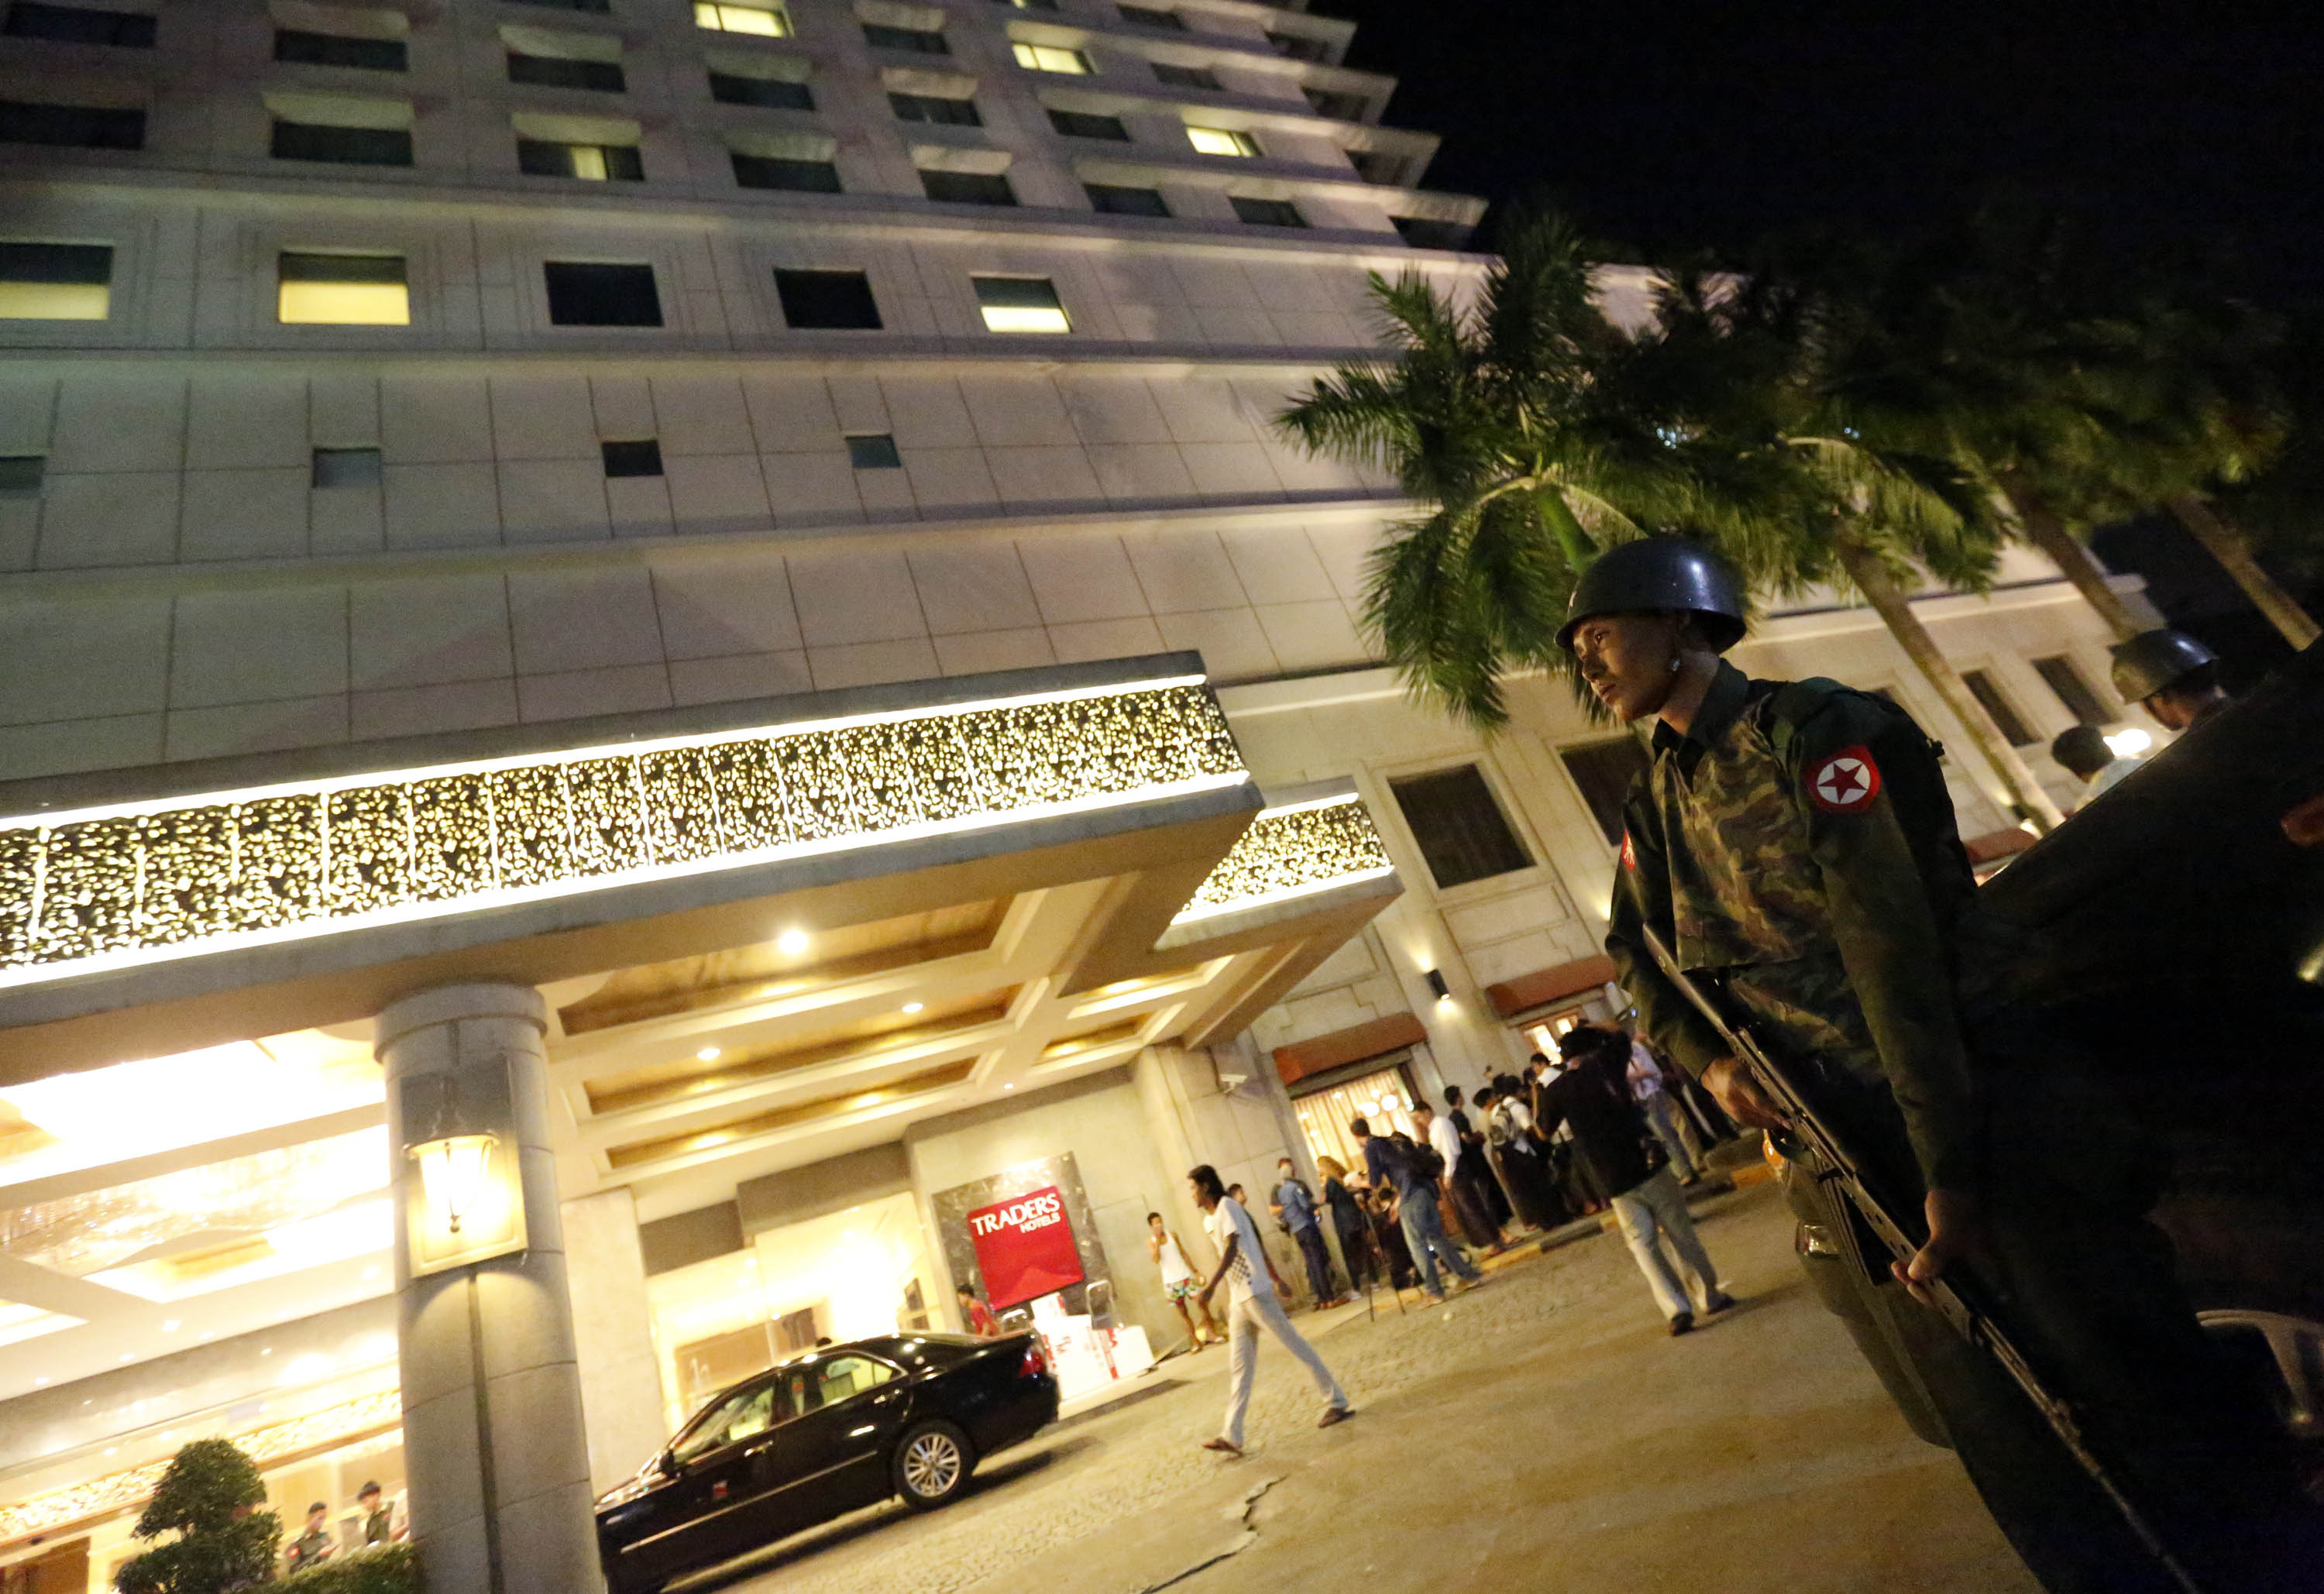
{"type": "Point", "coordinates": [1739, 1094]}
{"type": "Point", "coordinates": [1956, 1231]}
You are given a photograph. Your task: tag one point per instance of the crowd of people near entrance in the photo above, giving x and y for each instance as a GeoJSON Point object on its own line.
{"type": "Point", "coordinates": [1601, 1128]}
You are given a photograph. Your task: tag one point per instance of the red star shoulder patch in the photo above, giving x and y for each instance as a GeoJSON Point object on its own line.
{"type": "Point", "coordinates": [1846, 782]}
{"type": "Point", "coordinates": [1629, 852]}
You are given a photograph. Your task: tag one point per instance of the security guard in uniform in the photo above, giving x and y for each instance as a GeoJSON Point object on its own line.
{"type": "Point", "coordinates": [1794, 845]}
{"type": "Point", "coordinates": [2172, 675]}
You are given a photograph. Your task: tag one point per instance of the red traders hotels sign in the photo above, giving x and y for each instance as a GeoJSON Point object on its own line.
{"type": "Point", "coordinates": [1024, 1248]}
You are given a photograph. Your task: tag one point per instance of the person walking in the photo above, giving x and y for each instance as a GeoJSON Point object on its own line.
{"type": "Point", "coordinates": [1793, 845]}
{"type": "Point", "coordinates": [1294, 1206]}
{"type": "Point", "coordinates": [1593, 1095]}
{"type": "Point", "coordinates": [1180, 1282]}
{"type": "Point", "coordinates": [1646, 1078]}
{"type": "Point", "coordinates": [1251, 1305]}
{"type": "Point", "coordinates": [1399, 1168]}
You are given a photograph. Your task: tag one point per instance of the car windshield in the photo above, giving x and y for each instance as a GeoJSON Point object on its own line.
{"type": "Point", "coordinates": [739, 1416]}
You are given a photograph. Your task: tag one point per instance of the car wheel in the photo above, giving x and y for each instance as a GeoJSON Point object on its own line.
{"type": "Point", "coordinates": [933, 1461]}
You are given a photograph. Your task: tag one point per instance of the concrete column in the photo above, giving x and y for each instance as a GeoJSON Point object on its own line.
{"type": "Point", "coordinates": [612, 1330]}
{"type": "Point", "coordinates": [499, 1476]}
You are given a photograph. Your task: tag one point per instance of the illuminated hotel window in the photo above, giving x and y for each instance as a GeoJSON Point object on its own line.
{"type": "Point", "coordinates": [1021, 304]}
{"type": "Point", "coordinates": [55, 281]}
{"type": "Point", "coordinates": [1052, 57]}
{"type": "Point", "coordinates": [1267, 213]}
{"type": "Point", "coordinates": [1121, 201]}
{"type": "Point", "coordinates": [537, 157]}
{"type": "Point", "coordinates": [343, 291]}
{"type": "Point", "coordinates": [1183, 77]}
{"type": "Point", "coordinates": [743, 19]}
{"type": "Point", "coordinates": [1222, 141]}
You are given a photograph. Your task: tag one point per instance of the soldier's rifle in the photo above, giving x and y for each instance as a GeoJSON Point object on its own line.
{"type": "Point", "coordinates": [1959, 1301]}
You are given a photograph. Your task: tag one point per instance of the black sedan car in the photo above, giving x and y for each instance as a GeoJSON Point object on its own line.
{"type": "Point", "coordinates": [843, 1427]}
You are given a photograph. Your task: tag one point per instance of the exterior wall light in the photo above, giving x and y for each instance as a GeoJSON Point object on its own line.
{"type": "Point", "coordinates": [1436, 983]}
{"type": "Point", "coordinates": [454, 1173]}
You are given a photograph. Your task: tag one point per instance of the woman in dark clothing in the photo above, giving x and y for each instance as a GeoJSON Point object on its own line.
{"type": "Point", "coordinates": [1348, 1224]}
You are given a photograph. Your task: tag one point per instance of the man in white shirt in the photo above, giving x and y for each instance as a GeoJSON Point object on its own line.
{"type": "Point", "coordinates": [1477, 1225]}
{"type": "Point", "coordinates": [1646, 1089]}
{"type": "Point", "coordinates": [1251, 1305]}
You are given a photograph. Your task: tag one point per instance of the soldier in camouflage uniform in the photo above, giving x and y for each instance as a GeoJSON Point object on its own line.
{"type": "Point", "coordinates": [1794, 843]}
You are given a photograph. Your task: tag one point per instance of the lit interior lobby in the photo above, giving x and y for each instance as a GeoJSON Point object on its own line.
{"type": "Point", "coordinates": [691, 954]}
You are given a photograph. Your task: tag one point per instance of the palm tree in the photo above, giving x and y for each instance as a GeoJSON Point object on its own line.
{"type": "Point", "coordinates": [1526, 427]}
{"type": "Point", "coordinates": [1794, 363]}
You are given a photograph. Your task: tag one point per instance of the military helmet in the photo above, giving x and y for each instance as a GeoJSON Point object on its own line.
{"type": "Point", "coordinates": [1656, 574]}
{"type": "Point", "coordinates": [2157, 661]}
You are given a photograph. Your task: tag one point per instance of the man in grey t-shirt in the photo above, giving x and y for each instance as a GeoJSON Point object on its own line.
{"type": "Point", "coordinates": [1251, 1305]}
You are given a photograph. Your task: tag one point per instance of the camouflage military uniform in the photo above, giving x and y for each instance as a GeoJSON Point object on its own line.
{"type": "Point", "coordinates": [1799, 845]}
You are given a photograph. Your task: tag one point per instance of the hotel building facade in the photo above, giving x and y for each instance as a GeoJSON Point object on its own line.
{"type": "Point", "coordinates": [698, 604]}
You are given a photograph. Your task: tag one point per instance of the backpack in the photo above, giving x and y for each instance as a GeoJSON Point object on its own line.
{"type": "Point", "coordinates": [1423, 1159]}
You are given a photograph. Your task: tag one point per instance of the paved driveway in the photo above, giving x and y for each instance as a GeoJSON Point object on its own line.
{"type": "Point", "coordinates": [1540, 1432]}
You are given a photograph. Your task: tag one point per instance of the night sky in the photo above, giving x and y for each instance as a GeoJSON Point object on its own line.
{"type": "Point", "coordinates": [2195, 129]}
{"type": "Point", "coordinates": [1688, 123]}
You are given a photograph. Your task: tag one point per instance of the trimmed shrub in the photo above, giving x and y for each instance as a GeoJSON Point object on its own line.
{"type": "Point", "coordinates": [384, 1569]}
{"type": "Point", "coordinates": [208, 1497]}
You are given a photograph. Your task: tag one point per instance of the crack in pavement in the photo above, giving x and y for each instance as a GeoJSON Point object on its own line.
{"type": "Point", "coordinates": [1246, 1534]}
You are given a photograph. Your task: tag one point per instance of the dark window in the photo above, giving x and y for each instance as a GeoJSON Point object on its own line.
{"type": "Point", "coordinates": [1340, 107]}
{"type": "Point", "coordinates": [2073, 691]}
{"type": "Point", "coordinates": [601, 7]}
{"type": "Point", "coordinates": [1299, 47]}
{"type": "Point", "coordinates": [1267, 213]}
{"type": "Point", "coordinates": [349, 146]}
{"type": "Point", "coordinates": [2003, 715]}
{"type": "Point", "coordinates": [874, 453]}
{"type": "Point", "coordinates": [553, 71]}
{"type": "Point", "coordinates": [1116, 201]}
{"type": "Point", "coordinates": [639, 458]}
{"type": "Point", "coordinates": [772, 171]}
{"type": "Point", "coordinates": [1083, 124]}
{"type": "Point", "coordinates": [333, 50]}
{"type": "Point", "coordinates": [1375, 166]}
{"type": "Point", "coordinates": [771, 93]}
{"type": "Point", "coordinates": [929, 108]}
{"type": "Point", "coordinates": [1147, 16]}
{"type": "Point", "coordinates": [1185, 77]}
{"type": "Point", "coordinates": [27, 19]}
{"type": "Point", "coordinates": [1431, 235]}
{"type": "Point", "coordinates": [296, 267]}
{"type": "Point", "coordinates": [346, 467]}
{"type": "Point", "coordinates": [1460, 828]}
{"type": "Point", "coordinates": [969, 188]}
{"type": "Point", "coordinates": [88, 127]}
{"type": "Point", "coordinates": [916, 40]}
{"type": "Point", "coordinates": [20, 474]}
{"type": "Point", "coordinates": [841, 299]}
{"type": "Point", "coordinates": [592, 295]}
{"type": "Point", "coordinates": [76, 264]}
{"type": "Point", "coordinates": [598, 162]}
{"type": "Point", "coordinates": [1602, 771]}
